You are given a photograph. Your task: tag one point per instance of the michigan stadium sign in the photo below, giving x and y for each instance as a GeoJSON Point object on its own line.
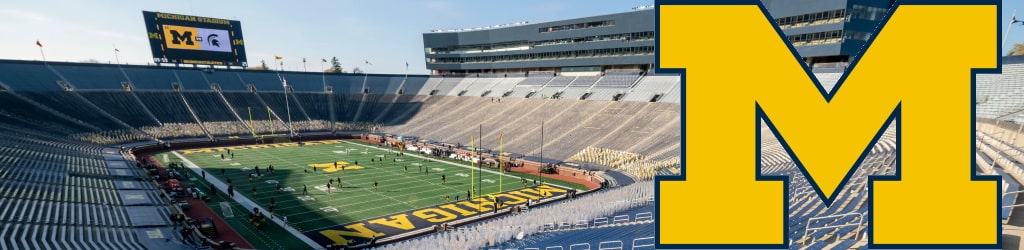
{"type": "Point", "coordinates": [935, 200]}
{"type": "Point", "coordinates": [188, 39]}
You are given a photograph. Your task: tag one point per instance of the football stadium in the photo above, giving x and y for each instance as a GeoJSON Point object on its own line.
{"type": "Point", "coordinates": [533, 136]}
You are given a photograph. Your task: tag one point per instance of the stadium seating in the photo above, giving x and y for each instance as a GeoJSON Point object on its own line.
{"type": "Point", "coordinates": [461, 86]}
{"type": "Point", "coordinates": [248, 106]}
{"type": "Point", "coordinates": [263, 81]}
{"type": "Point", "coordinates": [231, 81]}
{"type": "Point", "coordinates": [146, 78]}
{"type": "Point", "coordinates": [446, 87]}
{"type": "Point", "coordinates": [71, 103]}
{"type": "Point", "coordinates": [430, 85]}
{"type": "Point", "coordinates": [414, 83]}
{"type": "Point", "coordinates": [617, 79]}
{"type": "Point", "coordinates": [317, 105]}
{"type": "Point", "coordinates": [122, 105]}
{"type": "Point", "coordinates": [500, 230]}
{"type": "Point", "coordinates": [673, 95]}
{"type": "Point", "coordinates": [637, 165]}
{"type": "Point", "coordinates": [530, 85]}
{"type": "Point", "coordinates": [58, 194]}
{"type": "Point", "coordinates": [86, 76]}
{"type": "Point", "coordinates": [168, 107]}
{"type": "Point", "coordinates": [24, 112]}
{"type": "Point", "coordinates": [651, 85]}
{"type": "Point", "coordinates": [46, 168]}
{"type": "Point", "coordinates": [28, 76]}
{"type": "Point", "coordinates": [499, 89]}
{"type": "Point", "coordinates": [187, 80]}
{"type": "Point", "coordinates": [301, 77]}
{"type": "Point", "coordinates": [277, 103]}
{"type": "Point", "coordinates": [480, 86]}
{"type": "Point", "coordinates": [209, 106]}
{"type": "Point", "coordinates": [552, 87]}
{"type": "Point", "coordinates": [990, 86]}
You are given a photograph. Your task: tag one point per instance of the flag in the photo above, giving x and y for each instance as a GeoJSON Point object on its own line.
{"type": "Point", "coordinates": [39, 43]}
{"type": "Point", "coordinates": [406, 65]}
{"type": "Point", "coordinates": [368, 62]}
{"type": "Point", "coordinates": [277, 57]}
{"type": "Point", "coordinates": [323, 60]}
{"type": "Point", "coordinates": [116, 50]}
{"type": "Point", "coordinates": [303, 59]}
{"type": "Point", "coordinates": [284, 82]}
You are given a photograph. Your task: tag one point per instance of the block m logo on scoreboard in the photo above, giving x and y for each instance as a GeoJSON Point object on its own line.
{"type": "Point", "coordinates": [917, 72]}
{"type": "Point", "coordinates": [180, 37]}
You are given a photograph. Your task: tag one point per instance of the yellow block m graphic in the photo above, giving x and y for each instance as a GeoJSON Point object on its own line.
{"type": "Point", "coordinates": [916, 73]}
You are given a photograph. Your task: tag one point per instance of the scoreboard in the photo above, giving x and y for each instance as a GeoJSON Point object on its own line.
{"type": "Point", "coordinates": [184, 39]}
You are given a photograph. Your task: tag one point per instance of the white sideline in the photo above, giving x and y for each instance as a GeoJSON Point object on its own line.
{"type": "Point", "coordinates": [245, 202]}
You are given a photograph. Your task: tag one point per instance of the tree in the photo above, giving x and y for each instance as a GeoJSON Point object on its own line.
{"type": "Point", "coordinates": [356, 70]}
{"type": "Point", "coordinates": [335, 66]}
{"type": "Point", "coordinates": [1018, 49]}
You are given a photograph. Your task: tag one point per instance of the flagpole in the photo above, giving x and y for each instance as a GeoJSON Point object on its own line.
{"type": "Point", "coordinates": [116, 58]}
{"type": "Point", "coordinates": [1008, 27]}
{"type": "Point", "coordinates": [304, 65]}
{"type": "Point", "coordinates": [365, 75]}
{"type": "Point", "coordinates": [287, 105]}
{"type": "Point", "coordinates": [41, 50]}
{"type": "Point", "coordinates": [323, 74]}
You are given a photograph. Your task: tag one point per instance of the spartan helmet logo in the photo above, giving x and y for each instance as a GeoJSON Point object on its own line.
{"type": "Point", "coordinates": [212, 39]}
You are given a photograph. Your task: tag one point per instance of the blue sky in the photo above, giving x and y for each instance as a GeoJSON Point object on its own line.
{"type": "Point", "coordinates": [385, 32]}
{"type": "Point", "coordinates": [388, 33]}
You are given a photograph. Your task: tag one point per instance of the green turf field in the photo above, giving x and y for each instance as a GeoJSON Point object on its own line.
{"type": "Point", "coordinates": [398, 190]}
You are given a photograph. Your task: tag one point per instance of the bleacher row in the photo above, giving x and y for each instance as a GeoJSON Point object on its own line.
{"type": "Point", "coordinates": [813, 225]}
{"type": "Point", "coordinates": [60, 194]}
{"type": "Point", "coordinates": [219, 103]}
{"type": "Point", "coordinates": [444, 109]}
{"type": "Point", "coordinates": [38, 77]}
{"type": "Point", "coordinates": [41, 236]}
{"type": "Point", "coordinates": [570, 125]}
{"type": "Point", "coordinates": [987, 162]}
{"type": "Point", "coordinates": [639, 166]}
{"type": "Point", "coordinates": [612, 237]}
{"type": "Point", "coordinates": [497, 232]}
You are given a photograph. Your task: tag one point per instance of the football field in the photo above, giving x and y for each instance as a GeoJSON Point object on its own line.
{"type": "Point", "coordinates": [405, 183]}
